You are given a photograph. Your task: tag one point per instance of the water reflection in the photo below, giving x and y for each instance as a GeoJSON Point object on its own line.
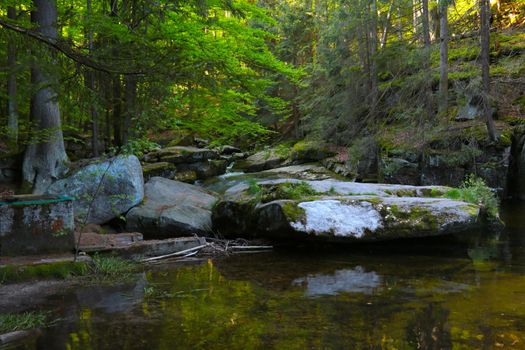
{"type": "Point", "coordinates": [417, 298]}
{"type": "Point", "coordinates": [355, 280]}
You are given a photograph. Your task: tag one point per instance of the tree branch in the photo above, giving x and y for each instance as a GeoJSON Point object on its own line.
{"type": "Point", "coordinates": [67, 50]}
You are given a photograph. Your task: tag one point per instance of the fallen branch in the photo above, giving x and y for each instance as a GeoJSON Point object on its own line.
{"type": "Point", "coordinates": [181, 253]}
{"type": "Point", "coordinates": [252, 247]}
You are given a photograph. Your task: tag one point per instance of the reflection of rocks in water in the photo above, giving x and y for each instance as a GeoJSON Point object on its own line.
{"type": "Point", "coordinates": [429, 329]}
{"type": "Point", "coordinates": [112, 299]}
{"type": "Point", "coordinates": [355, 280]}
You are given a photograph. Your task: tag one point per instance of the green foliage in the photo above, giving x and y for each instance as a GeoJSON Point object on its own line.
{"type": "Point", "coordinates": [138, 147]}
{"type": "Point", "coordinates": [23, 321]}
{"type": "Point", "coordinates": [475, 190]}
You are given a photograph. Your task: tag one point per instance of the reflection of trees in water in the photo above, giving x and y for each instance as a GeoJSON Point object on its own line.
{"type": "Point", "coordinates": [430, 329]}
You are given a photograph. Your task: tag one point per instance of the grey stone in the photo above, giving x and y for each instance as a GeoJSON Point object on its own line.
{"type": "Point", "coordinates": [180, 154]}
{"type": "Point", "coordinates": [344, 211]}
{"type": "Point", "coordinates": [263, 160]}
{"type": "Point", "coordinates": [172, 209]}
{"type": "Point", "coordinates": [103, 190]}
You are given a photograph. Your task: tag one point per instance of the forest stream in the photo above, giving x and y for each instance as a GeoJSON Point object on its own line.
{"type": "Point", "coordinates": [447, 293]}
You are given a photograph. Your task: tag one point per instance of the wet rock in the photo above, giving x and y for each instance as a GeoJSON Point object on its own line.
{"type": "Point", "coordinates": [188, 176]}
{"type": "Point", "coordinates": [180, 154]}
{"type": "Point", "coordinates": [172, 209]}
{"type": "Point", "coordinates": [302, 172]}
{"type": "Point", "coordinates": [342, 211]}
{"type": "Point", "coordinates": [229, 150]}
{"type": "Point", "coordinates": [162, 169]}
{"type": "Point", "coordinates": [264, 160]}
{"type": "Point", "coordinates": [205, 169]}
{"type": "Point", "coordinates": [103, 190]}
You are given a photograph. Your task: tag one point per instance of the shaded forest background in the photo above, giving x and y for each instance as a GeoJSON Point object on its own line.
{"type": "Point", "coordinates": [359, 74]}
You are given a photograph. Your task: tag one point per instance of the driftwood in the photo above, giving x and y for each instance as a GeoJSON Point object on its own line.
{"type": "Point", "coordinates": [215, 246]}
{"type": "Point", "coordinates": [181, 253]}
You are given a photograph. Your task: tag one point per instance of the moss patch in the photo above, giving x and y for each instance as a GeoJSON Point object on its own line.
{"type": "Point", "coordinates": [56, 270]}
{"type": "Point", "coordinates": [293, 212]}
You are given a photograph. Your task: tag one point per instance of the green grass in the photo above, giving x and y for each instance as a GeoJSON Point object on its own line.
{"type": "Point", "coordinates": [23, 321]}
{"type": "Point", "coordinates": [112, 267]}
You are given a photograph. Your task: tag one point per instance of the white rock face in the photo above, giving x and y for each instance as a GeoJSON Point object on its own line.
{"type": "Point", "coordinates": [343, 220]}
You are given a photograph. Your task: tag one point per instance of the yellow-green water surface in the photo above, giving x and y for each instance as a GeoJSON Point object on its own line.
{"type": "Point", "coordinates": [427, 294]}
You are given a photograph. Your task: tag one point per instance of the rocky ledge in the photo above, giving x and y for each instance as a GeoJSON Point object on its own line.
{"type": "Point", "coordinates": [340, 211]}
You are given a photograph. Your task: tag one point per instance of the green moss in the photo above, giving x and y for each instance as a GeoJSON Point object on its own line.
{"type": "Point", "coordinates": [56, 270]}
{"type": "Point", "coordinates": [374, 201]}
{"type": "Point", "coordinates": [416, 218]}
{"type": "Point", "coordinates": [288, 190]}
{"type": "Point", "coordinates": [293, 212]}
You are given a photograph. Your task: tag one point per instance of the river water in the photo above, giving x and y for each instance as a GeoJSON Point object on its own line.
{"type": "Point", "coordinates": [446, 293]}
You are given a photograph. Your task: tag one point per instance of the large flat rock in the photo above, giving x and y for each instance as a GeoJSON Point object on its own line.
{"type": "Point", "coordinates": [341, 211]}
{"type": "Point", "coordinates": [172, 209]}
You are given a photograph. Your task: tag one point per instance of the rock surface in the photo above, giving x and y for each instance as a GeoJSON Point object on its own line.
{"type": "Point", "coordinates": [342, 211]}
{"type": "Point", "coordinates": [172, 209]}
{"type": "Point", "coordinates": [180, 154]}
{"type": "Point", "coordinates": [263, 160]}
{"type": "Point", "coordinates": [103, 190]}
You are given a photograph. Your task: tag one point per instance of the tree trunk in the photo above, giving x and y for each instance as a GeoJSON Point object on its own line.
{"type": "Point", "coordinates": [426, 64]}
{"type": "Point", "coordinates": [45, 157]}
{"type": "Point", "coordinates": [12, 106]}
{"type": "Point", "coordinates": [90, 82]}
{"type": "Point", "coordinates": [485, 66]}
{"type": "Point", "coordinates": [443, 58]}
{"type": "Point", "coordinates": [387, 25]}
{"type": "Point", "coordinates": [130, 98]}
{"type": "Point", "coordinates": [117, 110]}
{"type": "Point", "coordinates": [374, 91]}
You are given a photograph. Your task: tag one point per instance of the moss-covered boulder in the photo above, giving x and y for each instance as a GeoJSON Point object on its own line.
{"type": "Point", "coordinates": [340, 211]}
{"type": "Point", "coordinates": [180, 154]}
{"type": "Point", "coordinates": [309, 151]}
{"type": "Point", "coordinates": [162, 169]}
{"type": "Point", "coordinates": [263, 160]}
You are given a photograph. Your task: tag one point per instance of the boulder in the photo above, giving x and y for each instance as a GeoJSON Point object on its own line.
{"type": "Point", "coordinates": [172, 209]}
{"type": "Point", "coordinates": [264, 160]}
{"type": "Point", "coordinates": [229, 150]}
{"type": "Point", "coordinates": [309, 151]}
{"type": "Point", "coordinates": [180, 154]}
{"type": "Point", "coordinates": [205, 169]}
{"type": "Point", "coordinates": [302, 172]}
{"type": "Point", "coordinates": [103, 190]}
{"type": "Point", "coordinates": [162, 169]}
{"type": "Point", "coordinates": [340, 211]}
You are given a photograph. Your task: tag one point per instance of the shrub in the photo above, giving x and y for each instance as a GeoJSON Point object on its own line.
{"type": "Point", "coordinates": [475, 190]}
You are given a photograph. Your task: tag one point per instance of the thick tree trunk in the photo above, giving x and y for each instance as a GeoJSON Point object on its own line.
{"type": "Point", "coordinates": [426, 64]}
{"type": "Point", "coordinates": [12, 107]}
{"type": "Point", "coordinates": [485, 66]}
{"type": "Point", "coordinates": [443, 58]}
{"type": "Point", "coordinates": [90, 82]}
{"type": "Point", "coordinates": [45, 156]}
